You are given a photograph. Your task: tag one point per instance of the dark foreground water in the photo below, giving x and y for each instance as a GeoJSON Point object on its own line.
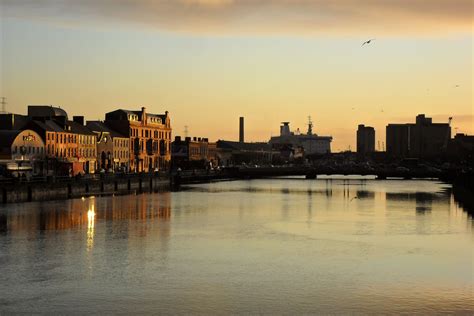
{"type": "Point", "coordinates": [264, 246]}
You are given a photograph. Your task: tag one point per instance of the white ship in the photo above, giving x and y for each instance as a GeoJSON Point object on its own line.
{"type": "Point", "coordinates": [312, 144]}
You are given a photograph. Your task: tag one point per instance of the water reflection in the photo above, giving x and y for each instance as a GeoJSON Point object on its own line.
{"type": "Point", "coordinates": [78, 213]}
{"type": "Point", "coordinates": [263, 246]}
{"type": "Point", "coordinates": [464, 198]}
{"type": "Point", "coordinates": [3, 224]}
{"type": "Point", "coordinates": [90, 227]}
{"type": "Point", "coordinates": [364, 194]}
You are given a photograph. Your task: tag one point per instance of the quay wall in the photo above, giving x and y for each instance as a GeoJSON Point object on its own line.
{"type": "Point", "coordinates": [16, 192]}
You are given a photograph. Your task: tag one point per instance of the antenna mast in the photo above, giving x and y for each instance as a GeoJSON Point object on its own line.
{"type": "Point", "coordinates": [4, 105]}
{"type": "Point", "coordinates": [310, 126]}
{"type": "Point", "coordinates": [185, 130]}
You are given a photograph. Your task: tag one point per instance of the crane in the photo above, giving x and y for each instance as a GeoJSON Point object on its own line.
{"type": "Point", "coordinates": [448, 134]}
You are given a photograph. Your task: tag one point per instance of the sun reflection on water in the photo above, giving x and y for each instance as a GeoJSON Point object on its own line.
{"type": "Point", "coordinates": [90, 227]}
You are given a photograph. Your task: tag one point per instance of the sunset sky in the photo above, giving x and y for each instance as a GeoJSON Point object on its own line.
{"type": "Point", "coordinates": [210, 61]}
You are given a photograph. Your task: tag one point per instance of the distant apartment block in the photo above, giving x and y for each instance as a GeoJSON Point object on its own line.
{"type": "Point", "coordinates": [365, 139]}
{"type": "Point", "coordinates": [423, 139]}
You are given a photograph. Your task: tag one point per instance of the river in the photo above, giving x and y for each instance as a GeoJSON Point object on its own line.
{"type": "Point", "coordinates": [279, 246]}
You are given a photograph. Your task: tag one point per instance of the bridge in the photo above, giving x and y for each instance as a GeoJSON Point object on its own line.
{"type": "Point", "coordinates": [189, 176]}
{"type": "Point", "coordinates": [314, 172]}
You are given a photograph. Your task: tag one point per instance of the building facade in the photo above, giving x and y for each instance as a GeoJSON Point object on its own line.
{"type": "Point", "coordinates": [22, 152]}
{"type": "Point", "coordinates": [424, 139]}
{"type": "Point", "coordinates": [86, 151]}
{"type": "Point", "coordinates": [193, 151]}
{"type": "Point", "coordinates": [149, 138]}
{"type": "Point", "coordinates": [70, 147]}
{"type": "Point", "coordinates": [365, 139]}
{"type": "Point", "coordinates": [231, 153]}
{"type": "Point", "coordinates": [461, 149]}
{"type": "Point", "coordinates": [113, 149]}
{"type": "Point", "coordinates": [11, 121]}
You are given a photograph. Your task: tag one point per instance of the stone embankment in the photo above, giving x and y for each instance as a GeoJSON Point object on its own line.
{"type": "Point", "coordinates": [44, 189]}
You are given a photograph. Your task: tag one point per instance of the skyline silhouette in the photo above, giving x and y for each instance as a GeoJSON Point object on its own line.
{"type": "Point", "coordinates": [297, 59]}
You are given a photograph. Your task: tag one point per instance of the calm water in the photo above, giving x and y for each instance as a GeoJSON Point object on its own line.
{"type": "Point", "coordinates": [261, 246]}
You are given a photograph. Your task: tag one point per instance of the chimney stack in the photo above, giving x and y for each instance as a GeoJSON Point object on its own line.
{"type": "Point", "coordinates": [78, 119]}
{"type": "Point", "coordinates": [241, 129]}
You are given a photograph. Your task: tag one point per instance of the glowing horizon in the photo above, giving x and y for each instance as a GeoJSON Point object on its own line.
{"type": "Point", "coordinates": [208, 62]}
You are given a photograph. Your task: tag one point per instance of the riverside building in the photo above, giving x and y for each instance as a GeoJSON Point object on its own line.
{"type": "Point", "coordinates": [113, 149]}
{"type": "Point", "coordinates": [149, 137]}
{"type": "Point", "coordinates": [422, 139]}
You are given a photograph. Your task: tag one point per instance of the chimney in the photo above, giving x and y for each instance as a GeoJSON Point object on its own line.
{"type": "Point", "coordinates": [143, 114]}
{"type": "Point", "coordinates": [177, 139]}
{"type": "Point", "coordinates": [78, 119]}
{"type": "Point", "coordinates": [285, 129]}
{"type": "Point", "coordinates": [241, 129]}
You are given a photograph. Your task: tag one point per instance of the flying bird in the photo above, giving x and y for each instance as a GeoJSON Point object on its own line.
{"type": "Point", "coordinates": [368, 41]}
{"type": "Point", "coordinates": [456, 86]}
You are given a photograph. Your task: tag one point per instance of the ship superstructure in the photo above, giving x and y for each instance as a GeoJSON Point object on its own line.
{"type": "Point", "coordinates": [312, 143]}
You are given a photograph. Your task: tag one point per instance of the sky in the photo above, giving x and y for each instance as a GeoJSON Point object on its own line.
{"type": "Point", "coordinates": [208, 62]}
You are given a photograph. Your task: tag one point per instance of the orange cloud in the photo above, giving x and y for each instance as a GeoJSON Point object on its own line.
{"type": "Point", "coordinates": [257, 17]}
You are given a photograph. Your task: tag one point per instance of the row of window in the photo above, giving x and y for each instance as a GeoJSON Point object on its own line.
{"type": "Point", "coordinates": [204, 150]}
{"type": "Point", "coordinates": [146, 133]}
{"type": "Point", "coordinates": [120, 142]}
{"type": "Point", "coordinates": [155, 120]}
{"type": "Point", "coordinates": [121, 154]}
{"type": "Point", "coordinates": [150, 119]}
{"type": "Point", "coordinates": [70, 152]}
{"type": "Point", "coordinates": [27, 150]}
{"type": "Point", "coordinates": [151, 146]}
{"type": "Point", "coordinates": [132, 117]}
{"type": "Point", "coordinates": [70, 138]}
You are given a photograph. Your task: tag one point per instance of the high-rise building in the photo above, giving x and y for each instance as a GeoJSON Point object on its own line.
{"type": "Point", "coordinates": [365, 139]}
{"type": "Point", "coordinates": [424, 139]}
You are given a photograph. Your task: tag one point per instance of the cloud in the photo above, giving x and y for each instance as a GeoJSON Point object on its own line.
{"type": "Point", "coordinates": [259, 17]}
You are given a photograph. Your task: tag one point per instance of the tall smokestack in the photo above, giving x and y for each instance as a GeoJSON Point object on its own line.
{"type": "Point", "coordinates": [241, 129]}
